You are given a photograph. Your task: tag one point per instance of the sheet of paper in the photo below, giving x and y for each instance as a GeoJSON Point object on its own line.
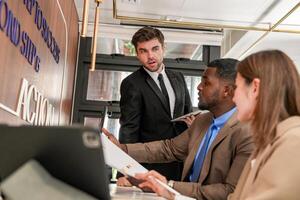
{"type": "Point", "coordinates": [188, 115]}
{"type": "Point", "coordinates": [118, 159]}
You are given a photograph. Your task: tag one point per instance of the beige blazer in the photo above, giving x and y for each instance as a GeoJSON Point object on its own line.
{"type": "Point", "coordinates": [275, 174]}
{"type": "Point", "coordinates": [222, 166]}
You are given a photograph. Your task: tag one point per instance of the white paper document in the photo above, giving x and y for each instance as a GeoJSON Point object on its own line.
{"type": "Point", "coordinates": [188, 115]}
{"type": "Point", "coordinates": [117, 158]}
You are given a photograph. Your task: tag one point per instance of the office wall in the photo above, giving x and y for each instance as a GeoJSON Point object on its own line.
{"type": "Point", "coordinates": [38, 51]}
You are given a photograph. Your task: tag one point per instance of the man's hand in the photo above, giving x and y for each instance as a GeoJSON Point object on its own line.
{"type": "Point", "coordinates": [150, 181]}
{"type": "Point", "coordinates": [153, 173]}
{"type": "Point", "coordinates": [124, 182]}
{"type": "Point", "coordinates": [189, 120]}
{"type": "Point", "coordinates": [129, 181]}
{"type": "Point", "coordinates": [114, 140]}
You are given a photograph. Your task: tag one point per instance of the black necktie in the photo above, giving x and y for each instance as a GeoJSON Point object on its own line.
{"type": "Point", "coordinates": [163, 88]}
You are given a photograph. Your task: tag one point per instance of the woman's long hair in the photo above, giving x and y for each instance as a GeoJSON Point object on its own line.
{"type": "Point", "coordinates": [279, 92]}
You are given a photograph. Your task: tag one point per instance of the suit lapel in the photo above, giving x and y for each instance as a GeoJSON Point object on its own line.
{"type": "Point", "coordinates": [192, 154]}
{"type": "Point", "coordinates": [157, 91]}
{"type": "Point", "coordinates": [250, 173]}
{"type": "Point", "coordinates": [223, 133]}
{"type": "Point", "coordinates": [258, 163]}
{"type": "Point", "coordinates": [177, 91]}
{"type": "Point", "coordinates": [242, 180]}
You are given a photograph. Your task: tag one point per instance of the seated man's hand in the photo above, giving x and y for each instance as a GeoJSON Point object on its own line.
{"type": "Point", "coordinates": [153, 173]}
{"type": "Point", "coordinates": [124, 182]}
{"type": "Point", "coordinates": [150, 181]}
{"type": "Point", "coordinates": [114, 140]}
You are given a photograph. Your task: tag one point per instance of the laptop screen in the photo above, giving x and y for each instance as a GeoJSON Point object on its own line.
{"type": "Point", "coordinates": [71, 154]}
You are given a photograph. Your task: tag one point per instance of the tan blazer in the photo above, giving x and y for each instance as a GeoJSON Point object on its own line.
{"type": "Point", "coordinates": [222, 166]}
{"type": "Point", "coordinates": [275, 174]}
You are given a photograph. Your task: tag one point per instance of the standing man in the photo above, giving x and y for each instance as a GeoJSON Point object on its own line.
{"type": "Point", "coordinates": [151, 97]}
{"type": "Point", "coordinates": [214, 148]}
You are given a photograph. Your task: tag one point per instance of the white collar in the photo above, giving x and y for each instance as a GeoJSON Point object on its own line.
{"type": "Point", "coordinates": [154, 75]}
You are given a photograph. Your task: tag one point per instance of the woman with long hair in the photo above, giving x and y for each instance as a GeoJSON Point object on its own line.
{"type": "Point", "coordinates": [267, 96]}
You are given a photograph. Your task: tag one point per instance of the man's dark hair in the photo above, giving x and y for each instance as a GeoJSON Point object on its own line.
{"type": "Point", "coordinates": [226, 68]}
{"type": "Point", "coordinates": [147, 33]}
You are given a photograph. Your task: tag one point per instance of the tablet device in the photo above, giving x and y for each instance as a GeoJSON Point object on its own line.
{"type": "Point", "coordinates": [72, 154]}
{"type": "Point", "coordinates": [188, 115]}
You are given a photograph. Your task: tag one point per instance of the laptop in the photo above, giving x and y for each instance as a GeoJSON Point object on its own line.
{"type": "Point", "coordinates": [71, 154]}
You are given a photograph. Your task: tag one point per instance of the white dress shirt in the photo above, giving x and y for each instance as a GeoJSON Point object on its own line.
{"type": "Point", "coordinates": [171, 94]}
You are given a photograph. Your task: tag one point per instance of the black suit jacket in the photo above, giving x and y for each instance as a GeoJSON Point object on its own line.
{"type": "Point", "coordinates": [145, 115]}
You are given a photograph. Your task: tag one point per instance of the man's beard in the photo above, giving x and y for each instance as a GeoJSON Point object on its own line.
{"type": "Point", "coordinates": [203, 106]}
{"type": "Point", "coordinates": [212, 103]}
{"type": "Point", "coordinates": [158, 66]}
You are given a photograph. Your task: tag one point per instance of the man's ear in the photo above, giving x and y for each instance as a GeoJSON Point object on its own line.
{"type": "Point", "coordinates": [228, 90]}
{"type": "Point", "coordinates": [164, 48]}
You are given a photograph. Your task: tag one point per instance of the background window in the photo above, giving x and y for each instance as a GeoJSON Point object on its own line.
{"type": "Point", "coordinates": [192, 82]}
{"type": "Point", "coordinates": [104, 85]}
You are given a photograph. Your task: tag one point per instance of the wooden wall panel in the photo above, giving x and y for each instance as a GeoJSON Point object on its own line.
{"type": "Point", "coordinates": [72, 60]}
{"type": "Point", "coordinates": [54, 80]}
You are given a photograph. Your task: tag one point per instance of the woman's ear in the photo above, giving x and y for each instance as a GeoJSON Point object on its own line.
{"type": "Point", "coordinates": [255, 87]}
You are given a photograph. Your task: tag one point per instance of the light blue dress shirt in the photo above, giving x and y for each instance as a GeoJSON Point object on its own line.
{"type": "Point", "coordinates": [218, 122]}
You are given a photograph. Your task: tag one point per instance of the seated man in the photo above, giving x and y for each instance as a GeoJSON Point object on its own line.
{"type": "Point", "coordinates": [214, 148]}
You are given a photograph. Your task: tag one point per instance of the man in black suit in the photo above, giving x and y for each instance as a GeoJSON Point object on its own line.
{"type": "Point", "coordinates": [151, 97]}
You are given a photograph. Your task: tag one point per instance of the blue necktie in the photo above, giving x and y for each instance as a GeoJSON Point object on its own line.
{"type": "Point", "coordinates": [198, 162]}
